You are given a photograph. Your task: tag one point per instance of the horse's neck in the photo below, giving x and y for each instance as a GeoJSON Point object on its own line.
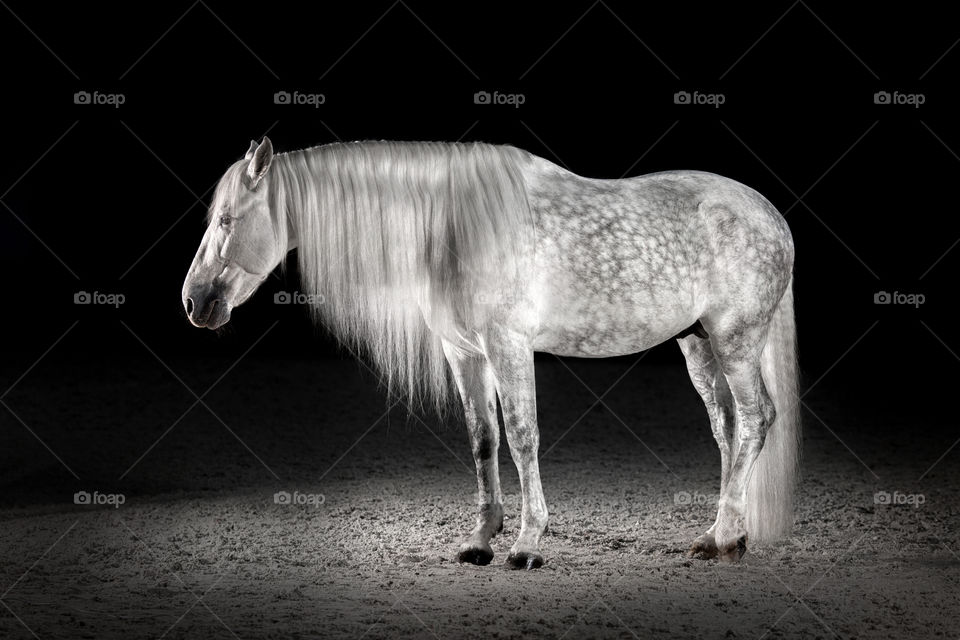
{"type": "Point", "coordinates": [289, 205]}
{"type": "Point", "coordinates": [299, 176]}
{"type": "Point", "coordinates": [293, 229]}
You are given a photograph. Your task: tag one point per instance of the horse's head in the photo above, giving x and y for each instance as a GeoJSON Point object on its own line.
{"type": "Point", "coordinates": [241, 245]}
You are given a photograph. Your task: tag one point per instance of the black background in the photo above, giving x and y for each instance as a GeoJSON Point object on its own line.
{"type": "Point", "coordinates": [113, 199]}
{"type": "Point", "coordinates": [96, 398]}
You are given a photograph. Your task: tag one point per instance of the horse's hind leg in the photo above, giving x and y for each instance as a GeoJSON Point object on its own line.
{"type": "Point", "coordinates": [738, 347]}
{"type": "Point", "coordinates": [474, 379]}
{"type": "Point", "coordinates": [710, 383]}
{"type": "Point", "coordinates": [511, 356]}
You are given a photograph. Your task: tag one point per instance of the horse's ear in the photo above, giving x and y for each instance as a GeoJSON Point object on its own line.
{"type": "Point", "coordinates": [253, 147]}
{"type": "Point", "coordinates": [260, 162]}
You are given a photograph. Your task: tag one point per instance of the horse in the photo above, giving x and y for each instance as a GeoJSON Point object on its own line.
{"type": "Point", "coordinates": [449, 264]}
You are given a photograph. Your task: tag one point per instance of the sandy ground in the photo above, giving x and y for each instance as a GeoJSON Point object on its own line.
{"type": "Point", "coordinates": [200, 549]}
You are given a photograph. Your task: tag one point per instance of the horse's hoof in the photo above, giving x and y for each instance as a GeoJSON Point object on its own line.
{"type": "Point", "coordinates": [475, 554]}
{"type": "Point", "coordinates": [734, 551]}
{"type": "Point", "coordinates": [703, 548]}
{"type": "Point", "coordinates": [525, 560]}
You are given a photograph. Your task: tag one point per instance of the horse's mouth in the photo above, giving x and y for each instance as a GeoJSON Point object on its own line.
{"type": "Point", "coordinates": [216, 323]}
{"type": "Point", "coordinates": [214, 315]}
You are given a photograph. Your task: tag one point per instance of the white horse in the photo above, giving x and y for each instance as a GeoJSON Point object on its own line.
{"type": "Point", "coordinates": [437, 258]}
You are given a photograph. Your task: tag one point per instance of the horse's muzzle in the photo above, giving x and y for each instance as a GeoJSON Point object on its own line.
{"type": "Point", "coordinates": [206, 308]}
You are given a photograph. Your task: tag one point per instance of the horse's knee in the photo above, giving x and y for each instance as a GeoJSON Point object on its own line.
{"type": "Point", "coordinates": [523, 438]}
{"type": "Point", "coordinates": [484, 446]}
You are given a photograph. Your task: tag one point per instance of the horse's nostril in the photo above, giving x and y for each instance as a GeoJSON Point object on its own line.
{"type": "Point", "coordinates": [189, 306]}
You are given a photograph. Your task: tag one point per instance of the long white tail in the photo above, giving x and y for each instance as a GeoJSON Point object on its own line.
{"type": "Point", "coordinates": [770, 488]}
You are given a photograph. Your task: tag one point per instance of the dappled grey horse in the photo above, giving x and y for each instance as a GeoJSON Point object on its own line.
{"type": "Point", "coordinates": [435, 259]}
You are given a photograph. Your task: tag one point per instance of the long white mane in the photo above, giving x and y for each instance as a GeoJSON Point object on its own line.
{"type": "Point", "coordinates": [400, 240]}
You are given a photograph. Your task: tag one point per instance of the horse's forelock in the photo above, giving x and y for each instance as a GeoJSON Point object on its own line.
{"type": "Point", "coordinates": [227, 190]}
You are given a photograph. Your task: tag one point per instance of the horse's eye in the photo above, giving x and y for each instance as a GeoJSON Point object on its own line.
{"type": "Point", "coordinates": [225, 221]}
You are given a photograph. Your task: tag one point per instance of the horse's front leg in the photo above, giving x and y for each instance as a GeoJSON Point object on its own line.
{"type": "Point", "coordinates": [511, 357]}
{"type": "Point", "coordinates": [474, 379]}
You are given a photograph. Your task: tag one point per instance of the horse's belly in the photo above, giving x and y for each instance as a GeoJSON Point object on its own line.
{"type": "Point", "coordinates": [587, 324]}
{"type": "Point", "coordinates": [593, 344]}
